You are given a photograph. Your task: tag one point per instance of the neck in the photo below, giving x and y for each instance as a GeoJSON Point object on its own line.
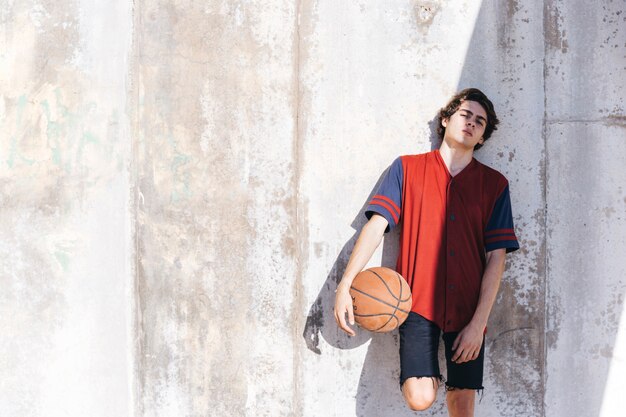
{"type": "Point", "coordinates": [455, 158]}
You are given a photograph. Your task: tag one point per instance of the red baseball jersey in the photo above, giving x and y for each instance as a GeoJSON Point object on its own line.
{"type": "Point", "coordinates": [447, 226]}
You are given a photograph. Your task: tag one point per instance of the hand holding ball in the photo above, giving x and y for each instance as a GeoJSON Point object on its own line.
{"type": "Point", "coordinates": [381, 299]}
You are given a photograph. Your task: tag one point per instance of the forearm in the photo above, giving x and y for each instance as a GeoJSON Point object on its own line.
{"type": "Point", "coordinates": [489, 287]}
{"type": "Point", "coordinates": [367, 242]}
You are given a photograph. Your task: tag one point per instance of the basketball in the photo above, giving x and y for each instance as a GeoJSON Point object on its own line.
{"type": "Point", "coordinates": [381, 299]}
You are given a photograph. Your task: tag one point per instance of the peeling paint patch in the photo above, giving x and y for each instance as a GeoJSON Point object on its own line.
{"type": "Point", "coordinates": [555, 37]}
{"type": "Point", "coordinates": [426, 10]}
{"type": "Point", "coordinates": [425, 13]}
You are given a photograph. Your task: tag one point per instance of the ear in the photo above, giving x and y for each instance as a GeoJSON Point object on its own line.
{"type": "Point", "coordinates": [481, 140]}
{"type": "Point", "coordinates": [444, 122]}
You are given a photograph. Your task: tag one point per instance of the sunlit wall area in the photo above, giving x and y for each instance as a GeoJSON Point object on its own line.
{"type": "Point", "coordinates": [182, 183]}
{"type": "Point", "coordinates": [505, 59]}
{"type": "Point", "coordinates": [66, 251]}
{"type": "Point", "coordinates": [586, 208]}
{"type": "Point", "coordinates": [373, 76]}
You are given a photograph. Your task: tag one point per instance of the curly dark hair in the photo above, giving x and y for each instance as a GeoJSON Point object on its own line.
{"type": "Point", "coordinates": [472, 94]}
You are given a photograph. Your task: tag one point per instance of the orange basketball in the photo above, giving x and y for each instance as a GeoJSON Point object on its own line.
{"type": "Point", "coordinates": [381, 299]}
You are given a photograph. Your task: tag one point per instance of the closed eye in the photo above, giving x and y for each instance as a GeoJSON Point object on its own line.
{"type": "Point", "coordinates": [466, 113]}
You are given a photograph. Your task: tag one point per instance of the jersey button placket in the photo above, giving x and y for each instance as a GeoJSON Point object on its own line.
{"type": "Point", "coordinates": [450, 264]}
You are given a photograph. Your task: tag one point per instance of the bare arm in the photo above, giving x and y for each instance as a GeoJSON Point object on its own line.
{"type": "Point", "coordinates": [367, 242]}
{"type": "Point", "coordinates": [469, 340]}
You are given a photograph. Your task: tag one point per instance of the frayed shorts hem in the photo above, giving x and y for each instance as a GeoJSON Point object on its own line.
{"type": "Point", "coordinates": [480, 390]}
{"type": "Point", "coordinates": [439, 377]}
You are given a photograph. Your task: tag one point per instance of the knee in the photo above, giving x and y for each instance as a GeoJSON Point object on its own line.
{"type": "Point", "coordinates": [461, 400]}
{"type": "Point", "coordinates": [419, 400]}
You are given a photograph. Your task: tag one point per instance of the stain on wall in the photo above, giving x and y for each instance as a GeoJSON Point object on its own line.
{"type": "Point", "coordinates": [182, 183]}
{"type": "Point", "coordinates": [216, 237]}
{"type": "Point", "coordinates": [64, 190]}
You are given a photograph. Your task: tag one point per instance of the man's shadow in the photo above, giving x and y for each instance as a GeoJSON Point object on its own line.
{"type": "Point", "coordinates": [378, 393]}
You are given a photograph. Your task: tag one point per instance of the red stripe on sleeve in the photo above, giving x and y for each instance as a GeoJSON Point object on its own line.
{"type": "Point", "coordinates": [390, 201]}
{"type": "Point", "coordinates": [387, 207]}
{"type": "Point", "coordinates": [499, 232]}
{"type": "Point", "coordinates": [500, 238]}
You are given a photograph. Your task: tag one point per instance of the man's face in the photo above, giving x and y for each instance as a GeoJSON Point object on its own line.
{"type": "Point", "coordinates": [466, 126]}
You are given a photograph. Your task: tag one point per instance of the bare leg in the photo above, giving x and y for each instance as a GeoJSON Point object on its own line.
{"type": "Point", "coordinates": [461, 402]}
{"type": "Point", "coordinates": [420, 393]}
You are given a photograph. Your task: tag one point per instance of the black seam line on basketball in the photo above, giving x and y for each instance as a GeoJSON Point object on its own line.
{"type": "Point", "coordinates": [387, 286]}
{"type": "Point", "coordinates": [379, 300]}
{"type": "Point", "coordinates": [392, 317]}
{"type": "Point", "coordinates": [397, 307]}
{"type": "Point", "coordinates": [400, 282]}
{"type": "Point", "coordinates": [400, 297]}
{"type": "Point", "coordinates": [373, 315]}
{"type": "Point", "coordinates": [386, 323]}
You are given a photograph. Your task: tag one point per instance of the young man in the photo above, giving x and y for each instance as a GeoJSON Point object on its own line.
{"type": "Point", "coordinates": [456, 227]}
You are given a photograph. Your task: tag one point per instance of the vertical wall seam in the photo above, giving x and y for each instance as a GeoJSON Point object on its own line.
{"type": "Point", "coordinates": [135, 311]}
{"type": "Point", "coordinates": [297, 301]}
{"type": "Point", "coordinates": [544, 196]}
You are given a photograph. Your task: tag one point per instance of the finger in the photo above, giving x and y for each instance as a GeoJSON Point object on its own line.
{"type": "Point", "coordinates": [348, 330]}
{"type": "Point", "coordinates": [463, 354]}
{"type": "Point", "coordinates": [456, 343]}
{"type": "Point", "coordinates": [337, 317]}
{"type": "Point", "coordinates": [457, 355]}
{"type": "Point", "coordinates": [344, 326]}
{"type": "Point", "coordinates": [350, 314]}
{"type": "Point", "coordinates": [462, 359]}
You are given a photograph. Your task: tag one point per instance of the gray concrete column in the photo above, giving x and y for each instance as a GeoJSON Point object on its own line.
{"type": "Point", "coordinates": [182, 183]}
{"type": "Point", "coordinates": [505, 59]}
{"type": "Point", "coordinates": [65, 248]}
{"type": "Point", "coordinates": [215, 98]}
{"type": "Point", "coordinates": [586, 217]}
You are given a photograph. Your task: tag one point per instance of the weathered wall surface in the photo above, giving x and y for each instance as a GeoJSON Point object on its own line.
{"type": "Point", "coordinates": [375, 104]}
{"type": "Point", "coordinates": [182, 183]}
{"type": "Point", "coordinates": [215, 102]}
{"type": "Point", "coordinates": [505, 58]}
{"type": "Point", "coordinates": [65, 245]}
{"type": "Point", "coordinates": [586, 208]}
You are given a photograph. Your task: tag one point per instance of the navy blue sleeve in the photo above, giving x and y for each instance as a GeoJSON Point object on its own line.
{"type": "Point", "coordinates": [500, 231]}
{"type": "Point", "coordinates": [388, 198]}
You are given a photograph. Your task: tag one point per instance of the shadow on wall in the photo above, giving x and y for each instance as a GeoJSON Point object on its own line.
{"type": "Point", "coordinates": [378, 388]}
{"type": "Point", "coordinates": [496, 64]}
{"type": "Point", "coordinates": [378, 391]}
{"type": "Point", "coordinates": [320, 319]}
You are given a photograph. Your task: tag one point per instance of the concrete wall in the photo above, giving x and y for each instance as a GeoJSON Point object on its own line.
{"type": "Point", "coordinates": [66, 252]}
{"type": "Point", "coordinates": [586, 208]}
{"type": "Point", "coordinates": [182, 183]}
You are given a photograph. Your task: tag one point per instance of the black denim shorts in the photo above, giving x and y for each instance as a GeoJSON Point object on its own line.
{"type": "Point", "coordinates": [419, 346]}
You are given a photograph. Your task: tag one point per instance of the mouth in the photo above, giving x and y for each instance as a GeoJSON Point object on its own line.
{"type": "Point", "coordinates": [467, 131]}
